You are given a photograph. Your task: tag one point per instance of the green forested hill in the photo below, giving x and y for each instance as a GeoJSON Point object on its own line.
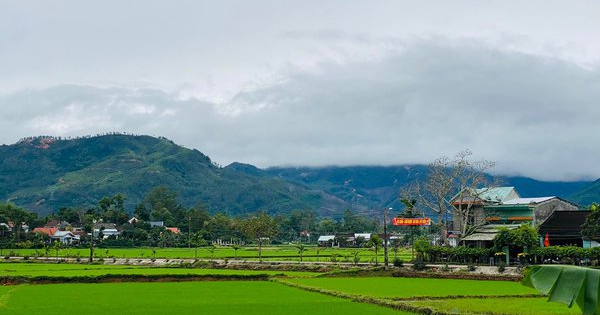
{"type": "Point", "coordinates": [379, 185]}
{"type": "Point", "coordinates": [588, 195]}
{"type": "Point", "coordinates": [45, 173]}
{"type": "Point", "coordinates": [366, 186]}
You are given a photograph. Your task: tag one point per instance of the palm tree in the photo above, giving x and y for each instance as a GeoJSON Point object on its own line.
{"type": "Point", "coordinates": [197, 240]}
{"type": "Point", "coordinates": [235, 248]}
{"type": "Point", "coordinates": [57, 247]}
{"type": "Point", "coordinates": [301, 249]}
{"type": "Point", "coordinates": [376, 242]}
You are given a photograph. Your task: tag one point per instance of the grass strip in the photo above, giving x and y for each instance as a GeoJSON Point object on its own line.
{"type": "Point", "coordinates": [464, 297]}
{"type": "Point", "coordinates": [112, 278]}
{"type": "Point", "coordinates": [405, 273]}
{"type": "Point", "coordinates": [455, 275]}
{"type": "Point", "coordinates": [500, 306]}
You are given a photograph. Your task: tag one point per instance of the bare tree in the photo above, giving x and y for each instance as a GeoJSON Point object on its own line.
{"type": "Point", "coordinates": [455, 180]}
{"type": "Point", "coordinates": [476, 188]}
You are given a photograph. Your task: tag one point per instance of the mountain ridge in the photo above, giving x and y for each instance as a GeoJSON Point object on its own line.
{"type": "Point", "coordinates": [45, 173]}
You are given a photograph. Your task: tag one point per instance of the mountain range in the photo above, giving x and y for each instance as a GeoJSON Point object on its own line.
{"type": "Point", "coordinates": [45, 173]}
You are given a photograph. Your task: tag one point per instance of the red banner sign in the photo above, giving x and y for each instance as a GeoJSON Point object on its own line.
{"type": "Point", "coordinates": [411, 221]}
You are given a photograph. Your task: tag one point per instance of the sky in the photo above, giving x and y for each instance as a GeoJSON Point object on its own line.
{"type": "Point", "coordinates": [314, 83]}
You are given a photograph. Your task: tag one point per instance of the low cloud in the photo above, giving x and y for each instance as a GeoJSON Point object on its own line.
{"type": "Point", "coordinates": [535, 116]}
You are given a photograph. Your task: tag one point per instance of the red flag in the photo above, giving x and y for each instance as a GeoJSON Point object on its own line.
{"type": "Point", "coordinates": [547, 240]}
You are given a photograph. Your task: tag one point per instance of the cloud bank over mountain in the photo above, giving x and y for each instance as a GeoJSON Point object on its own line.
{"type": "Point", "coordinates": [415, 101]}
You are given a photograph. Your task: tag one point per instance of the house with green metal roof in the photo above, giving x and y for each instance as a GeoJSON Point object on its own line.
{"type": "Point", "coordinates": [501, 206]}
{"type": "Point", "coordinates": [526, 210]}
{"type": "Point", "coordinates": [469, 212]}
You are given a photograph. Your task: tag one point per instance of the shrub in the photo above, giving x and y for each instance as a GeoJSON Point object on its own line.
{"type": "Point", "coordinates": [471, 267]}
{"type": "Point", "coordinates": [346, 258]}
{"type": "Point", "coordinates": [334, 258]}
{"type": "Point", "coordinates": [419, 265]}
{"type": "Point", "coordinates": [355, 257]}
{"type": "Point", "coordinates": [398, 262]}
{"type": "Point", "coordinates": [422, 246]}
{"type": "Point", "coordinates": [523, 236]}
{"type": "Point", "coordinates": [458, 254]}
{"type": "Point", "coordinates": [501, 267]}
{"type": "Point", "coordinates": [566, 254]}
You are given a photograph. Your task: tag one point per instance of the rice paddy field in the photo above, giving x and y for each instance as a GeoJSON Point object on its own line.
{"type": "Point", "coordinates": [294, 293]}
{"type": "Point", "coordinates": [285, 253]}
{"type": "Point", "coordinates": [215, 297]}
{"type": "Point", "coordinates": [410, 287]}
{"type": "Point", "coordinates": [445, 296]}
{"type": "Point", "coordinates": [80, 270]}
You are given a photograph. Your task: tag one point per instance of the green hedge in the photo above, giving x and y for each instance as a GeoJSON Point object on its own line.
{"type": "Point", "coordinates": [566, 254]}
{"type": "Point", "coordinates": [458, 254]}
{"type": "Point", "coordinates": [551, 254]}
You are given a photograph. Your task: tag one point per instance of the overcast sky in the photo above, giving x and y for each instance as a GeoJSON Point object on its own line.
{"type": "Point", "coordinates": [314, 82]}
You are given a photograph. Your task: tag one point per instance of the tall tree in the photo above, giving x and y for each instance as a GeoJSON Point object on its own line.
{"type": "Point", "coordinates": [17, 216]}
{"type": "Point", "coordinates": [298, 223]}
{"type": "Point", "coordinates": [448, 177]}
{"type": "Point", "coordinates": [221, 226]}
{"type": "Point", "coordinates": [328, 226]}
{"type": "Point", "coordinates": [260, 227]}
{"type": "Point", "coordinates": [197, 217]}
{"type": "Point", "coordinates": [164, 206]}
{"type": "Point", "coordinates": [68, 214]}
{"type": "Point", "coordinates": [591, 227]}
{"type": "Point", "coordinates": [141, 212]}
{"type": "Point", "coordinates": [112, 209]}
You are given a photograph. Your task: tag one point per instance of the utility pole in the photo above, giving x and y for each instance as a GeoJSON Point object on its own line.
{"type": "Point", "coordinates": [385, 238]}
{"type": "Point", "coordinates": [190, 232]}
{"type": "Point", "coordinates": [91, 260]}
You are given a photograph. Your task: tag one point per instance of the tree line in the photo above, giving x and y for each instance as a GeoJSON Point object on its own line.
{"type": "Point", "coordinates": [196, 225]}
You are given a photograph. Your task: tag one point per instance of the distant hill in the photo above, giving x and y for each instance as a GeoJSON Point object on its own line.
{"type": "Point", "coordinates": [588, 195]}
{"type": "Point", "coordinates": [379, 186]}
{"type": "Point", "coordinates": [365, 186]}
{"type": "Point", "coordinates": [44, 173]}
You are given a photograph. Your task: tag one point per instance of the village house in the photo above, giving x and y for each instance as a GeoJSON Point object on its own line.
{"type": "Point", "coordinates": [343, 239]}
{"type": "Point", "coordinates": [497, 207]}
{"type": "Point", "coordinates": [564, 228]}
{"type": "Point", "coordinates": [48, 231]}
{"type": "Point", "coordinates": [65, 237]}
{"type": "Point", "coordinates": [156, 223]}
{"type": "Point", "coordinates": [107, 230]}
{"type": "Point", "coordinates": [174, 230]}
{"type": "Point", "coordinates": [527, 210]}
{"type": "Point", "coordinates": [10, 226]}
{"type": "Point", "coordinates": [477, 200]}
{"type": "Point", "coordinates": [4, 229]}
{"type": "Point", "coordinates": [60, 225]}
{"type": "Point", "coordinates": [326, 241]}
